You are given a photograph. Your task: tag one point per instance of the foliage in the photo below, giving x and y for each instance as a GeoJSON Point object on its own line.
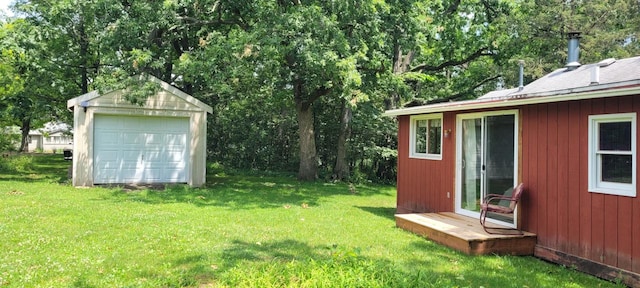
{"type": "Point", "coordinates": [31, 95]}
{"type": "Point", "coordinates": [242, 230]}
{"type": "Point", "coordinates": [8, 141]}
{"type": "Point", "coordinates": [295, 81]}
{"type": "Point", "coordinates": [16, 163]}
{"type": "Point", "coordinates": [609, 29]}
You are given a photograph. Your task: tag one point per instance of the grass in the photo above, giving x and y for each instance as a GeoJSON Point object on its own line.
{"type": "Point", "coordinates": [241, 230]}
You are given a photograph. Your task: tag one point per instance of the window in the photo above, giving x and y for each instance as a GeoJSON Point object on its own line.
{"type": "Point", "coordinates": [612, 154]}
{"type": "Point", "coordinates": [426, 137]}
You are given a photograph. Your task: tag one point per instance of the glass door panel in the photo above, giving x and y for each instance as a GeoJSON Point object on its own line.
{"type": "Point", "coordinates": [487, 151]}
{"type": "Point", "coordinates": [499, 159]}
{"type": "Point", "coordinates": [471, 164]}
{"type": "Point", "coordinates": [499, 154]}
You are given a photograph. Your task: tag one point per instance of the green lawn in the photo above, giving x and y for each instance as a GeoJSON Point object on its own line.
{"type": "Point", "coordinates": [242, 230]}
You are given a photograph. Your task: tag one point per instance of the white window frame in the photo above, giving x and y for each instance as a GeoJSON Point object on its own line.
{"type": "Point", "coordinates": [412, 136]}
{"type": "Point", "coordinates": [595, 184]}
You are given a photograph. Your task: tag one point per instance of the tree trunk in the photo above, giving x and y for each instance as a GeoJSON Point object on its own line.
{"type": "Point", "coordinates": [308, 169]}
{"type": "Point", "coordinates": [84, 56]}
{"type": "Point", "coordinates": [341, 170]}
{"type": "Point", "coordinates": [24, 142]}
{"type": "Point", "coordinates": [401, 64]}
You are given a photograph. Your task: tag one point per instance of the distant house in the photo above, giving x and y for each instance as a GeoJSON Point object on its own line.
{"type": "Point", "coordinates": [570, 137]}
{"type": "Point", "coordinates": [53, 137]}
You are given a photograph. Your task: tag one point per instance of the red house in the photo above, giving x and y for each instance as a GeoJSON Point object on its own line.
{"type": "Point", "coordinates": [570, 137]}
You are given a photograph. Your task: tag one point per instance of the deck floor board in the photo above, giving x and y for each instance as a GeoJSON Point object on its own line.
{"type": "Point", "coordinates": [465, 234]}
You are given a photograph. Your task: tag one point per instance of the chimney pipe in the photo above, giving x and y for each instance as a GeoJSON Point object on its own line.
{"type": "Point", "coordinates": [573, 54]}
{"type": "Point", "coordinates": [521, 75]}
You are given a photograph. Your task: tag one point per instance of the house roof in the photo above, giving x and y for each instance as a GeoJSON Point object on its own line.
{"type": "Point", "coordinates": [77, 101]}
{"type": "Point", "coordinates": [51, 128]}
{"type": "Point", "coordinates": [614, 78]}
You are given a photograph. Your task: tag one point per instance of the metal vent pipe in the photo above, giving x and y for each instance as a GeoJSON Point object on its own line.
{"type": "Point", "coordinates": [521, 75]}
{"type": "Point", "coordinates": [573, 54]}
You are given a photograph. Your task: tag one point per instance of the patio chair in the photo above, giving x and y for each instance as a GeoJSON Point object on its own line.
{"type": "Point", "coordinates": [491, 204]}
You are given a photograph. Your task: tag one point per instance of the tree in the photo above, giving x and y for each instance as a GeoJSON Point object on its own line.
{"type": "Point", "coordinates": [29, 99]}
{"type": "Point", "coordinates": [608, 29]}
{"type": "Point", "coordinates": [300, 85]}
{"type": "Point", "coordinates": [303, 54]}
{"type": "Point", "coordinates": [323, 52]}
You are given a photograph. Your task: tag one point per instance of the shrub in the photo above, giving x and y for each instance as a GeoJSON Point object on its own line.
{"type": "Point", "coordinates": [8, 142]}
{"type": "Point", "coordinates": [19, 163]}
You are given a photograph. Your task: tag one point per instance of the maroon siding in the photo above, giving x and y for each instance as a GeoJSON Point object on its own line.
{"type": "Point", "coordinates": [562, 177]}
{"type": "Point", "coordinates": [557, 205]}
{"type": "Point", "coordinates": [423, 184]}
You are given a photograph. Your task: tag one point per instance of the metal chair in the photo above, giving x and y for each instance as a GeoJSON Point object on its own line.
{"type": "Point", "coordinates": [491, 204]}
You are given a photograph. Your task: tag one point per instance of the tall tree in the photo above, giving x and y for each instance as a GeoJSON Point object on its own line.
{"type": "Point", "coordinates": [30, 99]}
{"type": "Point", "coordinates": [303, 83]}
{"type": "Point", "coordinates": [608, 29]}
{"type": "Point", "coordinates": [449, 50]}
{"type": "Point", "coordinates": [303, 51]}
{"type": "Point", "coordinates": [72, 30]}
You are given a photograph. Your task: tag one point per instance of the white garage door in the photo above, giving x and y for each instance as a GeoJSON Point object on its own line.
{"type": "Point", "coordinates": [140, 149]}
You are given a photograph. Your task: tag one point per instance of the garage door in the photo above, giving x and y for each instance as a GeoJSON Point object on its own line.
{"type": "Point", "coordinates": [140, 149]}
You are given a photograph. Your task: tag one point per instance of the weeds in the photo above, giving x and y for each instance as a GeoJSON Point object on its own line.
{"type": "Point", "coordinates": [17, 164]}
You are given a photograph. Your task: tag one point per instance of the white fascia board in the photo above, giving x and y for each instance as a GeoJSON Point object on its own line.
{"type": "Point", "coordinates": [497, 103]}
{"type": "Point", "coordinates": [84, 97]}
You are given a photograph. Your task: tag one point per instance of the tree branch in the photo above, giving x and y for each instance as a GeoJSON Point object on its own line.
{"type": "Point", "coordinates": [453, 7]}
{"type": "Point", "coordinates": [317, 93]}
{"type": "Point", "coordinates": [425, 67]}
{"type": "Point", "coordinates": [189, 21]}
{"type": "Point", "coordinates": [602, 19]}
{"type": "Point", "coordinates": [463, 93]}
{"type": "Point", "coordinates": [378, 69]}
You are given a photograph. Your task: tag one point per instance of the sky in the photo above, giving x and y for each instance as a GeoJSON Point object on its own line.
{"type": "Point", "coordinates": [4, 4]}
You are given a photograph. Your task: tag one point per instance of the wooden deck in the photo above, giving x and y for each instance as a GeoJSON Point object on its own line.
{"type": "Point", "coordinates": [465, 234]}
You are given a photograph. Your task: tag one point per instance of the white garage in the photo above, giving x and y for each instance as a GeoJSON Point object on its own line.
{"type": "Point", "coordinates": [116, 142]}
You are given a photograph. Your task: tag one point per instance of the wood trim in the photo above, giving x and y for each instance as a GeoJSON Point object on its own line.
{"type": "Point", "coordinates": [588, 266]}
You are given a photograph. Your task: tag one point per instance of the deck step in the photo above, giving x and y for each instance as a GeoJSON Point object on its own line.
{"type": "Point", "coordinates": [465, 234]}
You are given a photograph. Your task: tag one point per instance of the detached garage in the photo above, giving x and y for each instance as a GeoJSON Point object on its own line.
{"type": "Point", "coordinates": [116, 142]}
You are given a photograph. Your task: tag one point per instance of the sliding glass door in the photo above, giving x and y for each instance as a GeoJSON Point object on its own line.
{"type": "Point", "coordinates": [487, 160]}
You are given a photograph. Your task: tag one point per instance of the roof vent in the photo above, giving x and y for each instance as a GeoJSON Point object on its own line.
{"type": "Point", "coordinates": [595, 74]}
{"type": "Point", "coordinates": [573, 54]}
{"type": "Point", "coordinates": [606, 62]}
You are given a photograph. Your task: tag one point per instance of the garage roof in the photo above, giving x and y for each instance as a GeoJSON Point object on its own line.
{"type": "Point", "coordinates": [78, 101]}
